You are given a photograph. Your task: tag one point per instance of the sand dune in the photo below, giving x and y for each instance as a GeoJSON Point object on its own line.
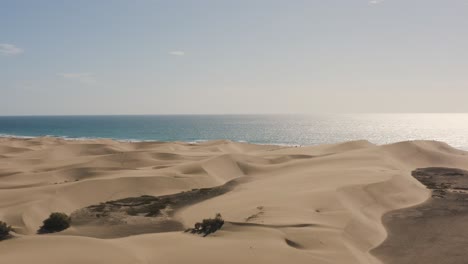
{"type": "Point", "coordinates": [318, 204]}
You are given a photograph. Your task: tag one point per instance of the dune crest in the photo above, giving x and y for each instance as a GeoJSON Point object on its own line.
{"type": "Point", "coordinates": [316, 204]}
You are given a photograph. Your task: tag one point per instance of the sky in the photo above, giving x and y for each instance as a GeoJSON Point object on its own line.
{"type": "Point", "coordinates": [232, 57]}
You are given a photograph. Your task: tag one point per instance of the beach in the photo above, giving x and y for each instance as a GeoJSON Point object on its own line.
{"type": "Point", "coordinates": [281, 204]}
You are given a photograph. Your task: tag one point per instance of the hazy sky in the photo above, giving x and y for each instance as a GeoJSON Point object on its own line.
{"type": "Point", "coordinates": [215, 57]}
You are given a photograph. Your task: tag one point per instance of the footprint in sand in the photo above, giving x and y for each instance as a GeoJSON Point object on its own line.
{"type": "Point", "coordinates": [260, 211]}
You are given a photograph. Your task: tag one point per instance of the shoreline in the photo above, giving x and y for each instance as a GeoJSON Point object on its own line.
{"type": "Point", "coordinates": [200, 141]}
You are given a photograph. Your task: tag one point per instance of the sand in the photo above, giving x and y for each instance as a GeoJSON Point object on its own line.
{"type": "Point", "coordinates": [318, 204]}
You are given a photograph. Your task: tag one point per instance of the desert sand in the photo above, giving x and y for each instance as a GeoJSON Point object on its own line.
{"type": "Point", "coordinates": [317, 204]}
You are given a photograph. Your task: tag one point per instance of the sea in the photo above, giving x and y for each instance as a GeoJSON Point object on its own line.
{"type": "Point", "coordinates": [295, 130]}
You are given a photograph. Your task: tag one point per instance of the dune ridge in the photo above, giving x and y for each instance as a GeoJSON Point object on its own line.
{"type": "Point", "coordinates": [316, 204]}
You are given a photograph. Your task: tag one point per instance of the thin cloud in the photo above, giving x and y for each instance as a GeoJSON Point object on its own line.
{"type": "Point", "coordinates": [375, 2]}
{"type": "Point", "coordinates": [9, 49]}
{"type": "Point", "coordinates": [177, 53]}
{"type": "Point", "coordinates": [82, 77]}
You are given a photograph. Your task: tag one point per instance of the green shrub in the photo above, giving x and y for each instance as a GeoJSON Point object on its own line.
{"type": "Point", "coordinates": [4, 230]}
{"type": "Point", "coordinates": [207, 226]}
{"type": "Point", "coordinates": [55, 223]}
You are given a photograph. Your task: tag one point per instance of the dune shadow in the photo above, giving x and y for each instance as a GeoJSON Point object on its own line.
{"type": "Point", "coordinates": [432, 232]}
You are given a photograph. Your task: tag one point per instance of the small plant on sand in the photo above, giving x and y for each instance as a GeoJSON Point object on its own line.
{"type": "Point", "coordinates": [207, 226]}
{"type": "Point", "coordinates": [4, 230]}
{"type": "Point", "coordinates": [55, 223]}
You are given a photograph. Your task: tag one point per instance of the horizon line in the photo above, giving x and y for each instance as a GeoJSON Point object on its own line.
{"type": "Point", "coordinates": [230, 114]}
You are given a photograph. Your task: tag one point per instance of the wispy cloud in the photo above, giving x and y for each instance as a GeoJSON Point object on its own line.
{"type": "Point", "coordinates": [9, 49]}
{"type": "Point", "coordinates": [82, 77]}
{"type": "Point", "coordinates": [375, 2]}
{"type": "Point", "coordinates": [177, 53]}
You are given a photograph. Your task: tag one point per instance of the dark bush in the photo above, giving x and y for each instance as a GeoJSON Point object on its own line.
{"type": "Point", "coordinates": [207, 226]}
{"type": "Point", "coordinates": [55, 223]}
{"type": "Point", "coordinates": [4, 230]}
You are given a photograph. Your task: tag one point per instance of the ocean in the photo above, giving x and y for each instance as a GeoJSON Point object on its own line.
{"type": "Point", "coordinates": [262, 129]}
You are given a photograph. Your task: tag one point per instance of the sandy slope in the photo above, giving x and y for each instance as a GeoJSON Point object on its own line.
{"type": "Point", "coordinates": [320, 204]}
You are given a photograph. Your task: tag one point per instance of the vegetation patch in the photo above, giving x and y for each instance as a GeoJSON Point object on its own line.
{"type": "Point", "coordinates": [55, 223]}
{"type": "Point", "coordinates": [207, 226]}
{"type": "Point", "coordinates": [145, 207]}
{"type": "Point", "coordinates": [443, 180]}
{"type": "Point", "coordinates": [144, 214]}
{"type": "Point", "coordinates": [4, 231]}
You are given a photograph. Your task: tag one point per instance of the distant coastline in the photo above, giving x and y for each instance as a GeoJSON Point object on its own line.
{"type": "Point", "coordinates": [139, 141]}
{"type": "Point", "coordinates": [287, 130]}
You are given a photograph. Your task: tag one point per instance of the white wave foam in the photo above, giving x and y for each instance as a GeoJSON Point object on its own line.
{"type": "Point", "coordinates": [131, 140]}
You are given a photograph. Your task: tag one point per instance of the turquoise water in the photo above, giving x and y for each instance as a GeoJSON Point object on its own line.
{"type": "Point", "coordinates": [263, 129]}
